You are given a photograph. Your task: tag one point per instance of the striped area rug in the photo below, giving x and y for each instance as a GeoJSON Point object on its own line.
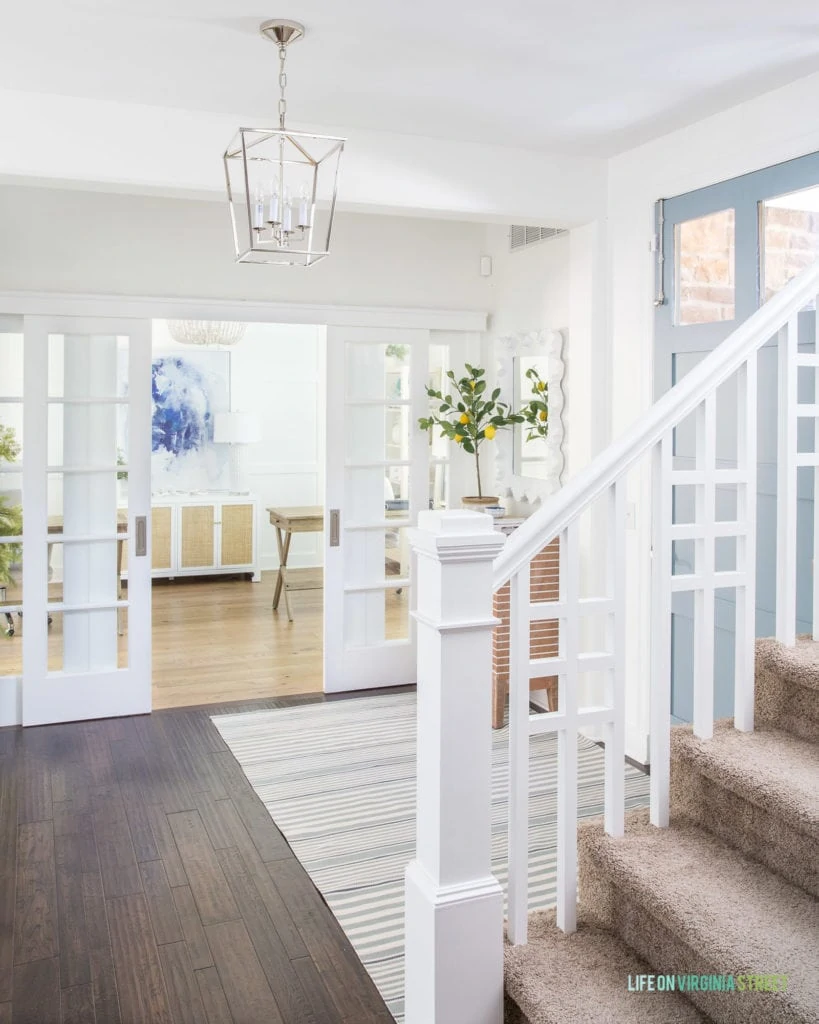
{"type": "Point", "coordinates": [339, 780]}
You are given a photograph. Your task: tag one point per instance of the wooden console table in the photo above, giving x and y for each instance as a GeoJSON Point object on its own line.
{"type": "Point", "coordinates": [303, 519]}
{"type": "Point", "coordinates": [544, 636]}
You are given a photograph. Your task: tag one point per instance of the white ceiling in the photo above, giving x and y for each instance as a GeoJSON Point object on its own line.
{"type": "Point", "coordinates": [584, 76]}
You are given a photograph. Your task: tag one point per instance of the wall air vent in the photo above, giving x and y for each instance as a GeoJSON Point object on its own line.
{"type": "Point", "coordinates": [521, 235]}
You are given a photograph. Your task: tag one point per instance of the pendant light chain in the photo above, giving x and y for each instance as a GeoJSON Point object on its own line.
{"type": "Point", "coordinates": [282, 85]}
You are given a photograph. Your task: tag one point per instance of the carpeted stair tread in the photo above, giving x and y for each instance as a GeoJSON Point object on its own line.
{"type": "Point", "coordinates": [770, 768]}
{"type": "Point", "coordinates": [787, 687]}
{"type": "Point", "coordinates": [729, 914]}
{"type": "Point", "coordinates": [797, 665]}
{"type": "Point", "coordinates": [583, 979]}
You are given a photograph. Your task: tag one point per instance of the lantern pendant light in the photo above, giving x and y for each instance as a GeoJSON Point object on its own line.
{"type": "Point", "coordinates": [281, 184]}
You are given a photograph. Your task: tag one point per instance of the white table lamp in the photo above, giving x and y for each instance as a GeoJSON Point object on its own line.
{"type": "Point", "coordinates": [237, 429]}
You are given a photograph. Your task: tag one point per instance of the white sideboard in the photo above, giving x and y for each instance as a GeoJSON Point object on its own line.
{"type": "Point", "coordinates": [204, 534]}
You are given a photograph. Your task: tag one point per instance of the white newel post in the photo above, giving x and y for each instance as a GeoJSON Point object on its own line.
{"type": "Point", "coordinates": [454, 905]}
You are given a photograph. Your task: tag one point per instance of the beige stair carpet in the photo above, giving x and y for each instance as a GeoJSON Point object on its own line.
{"type": "Point", "coordinates": [587, 981]}
{"type": "Point", "coordinates": [758, 791]}
{"type": "Point", "coordinates": [787, 687]}
{"type": "Point", "coordinates": [688, 903]}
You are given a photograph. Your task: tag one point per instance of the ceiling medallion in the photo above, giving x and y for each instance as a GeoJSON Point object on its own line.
{"type": "Point", "coordinates": [281, 184]}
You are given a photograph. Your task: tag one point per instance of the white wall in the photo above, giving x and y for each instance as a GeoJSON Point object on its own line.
{"type": "Point", "coordinates": [145, 147]}
{"type": "Point", "coordinates": [529, 288]}
{"type": "Point", "coordinates": [555, 284]}
{"type": "Point", "coordinates": [764, 131]}
{"type": "Point", "coordinates": [91, 242]}
{"type": "Point", "coordinates": [529, 292]}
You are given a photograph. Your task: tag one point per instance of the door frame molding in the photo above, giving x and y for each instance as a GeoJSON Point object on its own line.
{"type": "Point", "coordinates": [145, 307]}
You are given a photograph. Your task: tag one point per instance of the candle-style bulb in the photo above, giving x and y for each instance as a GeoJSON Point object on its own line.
{"type": "Point", "coordinates": [274, 204]}
{"type": "Point", "coordinates": [304, 206]}
{"type": "Point", "coordinates": [287, 211]}
{"type": "Point", "coordinates": [258, 209]}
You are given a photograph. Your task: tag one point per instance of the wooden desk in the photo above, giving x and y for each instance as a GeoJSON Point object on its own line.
{"type": "Point", "coordinates": [303, 519]}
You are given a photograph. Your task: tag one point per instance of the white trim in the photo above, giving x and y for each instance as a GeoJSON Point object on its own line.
{"type": "Point", "coordinates": [159, 308]}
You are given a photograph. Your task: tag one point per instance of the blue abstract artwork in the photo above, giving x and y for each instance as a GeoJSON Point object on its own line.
{"type": "Point", "coordinates": [188, 389]}
{"type": "Point", "coordinates": [182, 408]}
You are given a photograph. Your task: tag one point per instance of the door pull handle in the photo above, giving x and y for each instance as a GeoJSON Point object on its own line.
{"type": "Point", "coordinates": [141, 542]}
{"type": "Point", "coordinates": [335, 527]}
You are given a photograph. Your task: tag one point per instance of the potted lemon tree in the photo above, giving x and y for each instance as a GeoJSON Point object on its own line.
{"type": "Point", "coordinates": [470, 417]}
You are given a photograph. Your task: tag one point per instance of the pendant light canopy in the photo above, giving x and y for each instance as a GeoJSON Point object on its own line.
{"type": "Point", "coordinates": [281, 184]}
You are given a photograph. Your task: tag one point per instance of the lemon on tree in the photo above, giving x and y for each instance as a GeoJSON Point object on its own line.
{"type": "Point", "coordinates": [468, 416]}
{"type": "Point", "coordinates": [536, 411]}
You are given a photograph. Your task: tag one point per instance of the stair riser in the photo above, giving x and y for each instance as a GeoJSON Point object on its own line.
{"type": "Point", "coordinates": [512, 1013]}
{"type": "Point", "coordinates": [744, 825]}
{"type": "Point", "coordinates": [783, 704]}
{"type": "Point", "coordinates": [669, 953]}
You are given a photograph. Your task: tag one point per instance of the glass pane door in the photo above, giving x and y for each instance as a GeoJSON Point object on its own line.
{"type": "Point", "coordinates": [726, 249]}
{"type": "Point", "coordinates": [378, 480]}
{"type": "Point", "coordinates": [86, 497]}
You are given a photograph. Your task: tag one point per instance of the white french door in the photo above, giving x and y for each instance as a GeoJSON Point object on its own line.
{"type": "Point", "coordinates": [86, 501]}
{"type": "Point", "coordinates": [377, 481]}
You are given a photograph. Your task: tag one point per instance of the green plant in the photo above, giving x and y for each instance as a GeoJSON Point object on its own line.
{"type": "Point", "coordinates": [9, 445]}
{"type": "Point", "coordinates": [11, 516]}
{"type": "Point", "coordinates": [121, 461]}
{"type": "Point", "coordinates": [536, 411]}
{"type": "Point", "coordinates": [11, 525]}
{"type": "Point", "coordinates": [468, 417]}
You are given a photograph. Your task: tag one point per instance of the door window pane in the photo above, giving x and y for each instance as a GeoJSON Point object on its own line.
{"type": "Point", "coordinates": [705, 269]}
{"type": "Point", "coordinates": [377, 373]}
{"type": "Point", "coordinates": [85, 367]}
{"type": "Point", "coordinates": [11, 567]}
{"type": "Point", "coordinates": [11, 365]}
{"type": "Point", "coordinates": [377, 433]}
{"type": "Point", "coordinates": [11, 502]}
{"type": "Point", "coordinates": [790, 237]}
{"type": "Point", "coordinates": [373, 617]}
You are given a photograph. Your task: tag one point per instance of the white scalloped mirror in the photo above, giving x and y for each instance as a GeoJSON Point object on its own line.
{"type": "Point", "coordinates": [530, 469]}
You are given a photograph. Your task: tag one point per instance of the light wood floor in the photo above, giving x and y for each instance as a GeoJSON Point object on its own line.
{"type": "Point", "coordinates": [217, 640]}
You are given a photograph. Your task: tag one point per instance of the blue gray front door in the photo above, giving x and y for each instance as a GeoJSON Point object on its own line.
{"type": "Point", "coordinates": [725, 249]}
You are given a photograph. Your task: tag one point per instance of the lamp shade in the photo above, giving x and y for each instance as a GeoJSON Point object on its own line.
{"type": "Point", "coordinates": [235, 428]}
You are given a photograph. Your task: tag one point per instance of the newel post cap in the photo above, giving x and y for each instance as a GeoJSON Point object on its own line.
{"type": "Point", "coordinates": [457, 536]}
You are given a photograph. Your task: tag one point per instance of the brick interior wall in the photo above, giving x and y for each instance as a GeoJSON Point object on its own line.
{"type": "Point", "coordinates": [706, 257]}
{"type": "Point", "coordinates": [791, 245]}
{"type": "Point", "coordinates": [544, 586]}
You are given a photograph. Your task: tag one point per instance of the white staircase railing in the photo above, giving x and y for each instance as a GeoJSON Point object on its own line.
{"type": "Point", "coordinates": [591, 659]}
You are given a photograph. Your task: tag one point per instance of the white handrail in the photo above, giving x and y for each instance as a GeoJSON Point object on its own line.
{"type": "Point", "coordinates": [670, 410]}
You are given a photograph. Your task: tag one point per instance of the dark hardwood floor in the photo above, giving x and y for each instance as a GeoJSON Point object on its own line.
{"type": "Point", "coordinates": [142, 880]}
